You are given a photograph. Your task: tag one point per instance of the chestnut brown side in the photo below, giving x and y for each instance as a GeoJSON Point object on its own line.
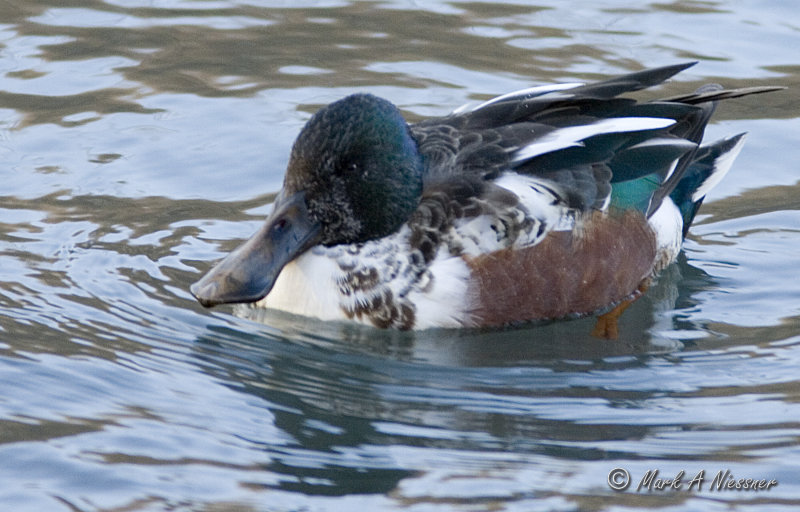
{"type": "Point", "coordinates": [570, 272]}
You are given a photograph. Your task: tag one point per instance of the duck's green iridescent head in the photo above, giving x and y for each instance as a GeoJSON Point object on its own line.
{"type": "Point", "coordinates": [355, 174]}
{"type": "Point", "coordinates": [359, 168]}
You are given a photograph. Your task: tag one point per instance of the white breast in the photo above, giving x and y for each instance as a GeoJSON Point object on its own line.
{"type": "Point", "coordinates": [306, 286]}
{"type": "Point", "coordinates": [312, 284]}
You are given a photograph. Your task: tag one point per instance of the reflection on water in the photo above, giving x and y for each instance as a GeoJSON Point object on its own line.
{"type": "Point", "coordinates": [143, 140]}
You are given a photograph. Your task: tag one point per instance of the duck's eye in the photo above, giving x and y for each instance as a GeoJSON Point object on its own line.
{"type": "Point", "coordinates": [279, 227]}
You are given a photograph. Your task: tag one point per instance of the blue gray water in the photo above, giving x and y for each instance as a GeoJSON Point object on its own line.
{"type": "Point", "coordinates": [141, 140]}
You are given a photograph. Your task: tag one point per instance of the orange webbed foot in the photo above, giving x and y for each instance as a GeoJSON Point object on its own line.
{"type": "Point", "coordinates": [607, 325]}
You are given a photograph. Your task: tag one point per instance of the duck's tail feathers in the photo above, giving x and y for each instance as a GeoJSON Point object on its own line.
{"type": "Point", "coordinates": [705, 99]}
{"type": "Point", "coordinates": [702, 95]}
{"type": "Point", "coordinates": [631, 82]}
{"type": "Point", "coordinates": [710, 164]}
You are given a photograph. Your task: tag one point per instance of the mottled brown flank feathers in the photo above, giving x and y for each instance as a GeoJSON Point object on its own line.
{"type": "Point", "coordinates": [569, 272]}
{"type": "Point", "coordinates": [383, 311]}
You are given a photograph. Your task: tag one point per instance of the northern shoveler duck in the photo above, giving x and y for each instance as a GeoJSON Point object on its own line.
{"type": "Point", "coordinates": [550, 202]}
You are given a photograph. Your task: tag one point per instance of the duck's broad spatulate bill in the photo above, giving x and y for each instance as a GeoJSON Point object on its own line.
{"type": "Point", "coordinates": [248, 273]}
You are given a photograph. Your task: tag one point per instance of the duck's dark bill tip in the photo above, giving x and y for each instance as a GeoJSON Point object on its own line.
{"type": "Point", "coordinates": [205, 293]}
{"type": "Point", "coordinates": [198, 292]}
{"type": "Point", "coordinates": [210, 293]}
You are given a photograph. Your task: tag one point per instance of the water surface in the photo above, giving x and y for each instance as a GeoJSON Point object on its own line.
{"type": "Point", "coordinates": [143, 140]}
